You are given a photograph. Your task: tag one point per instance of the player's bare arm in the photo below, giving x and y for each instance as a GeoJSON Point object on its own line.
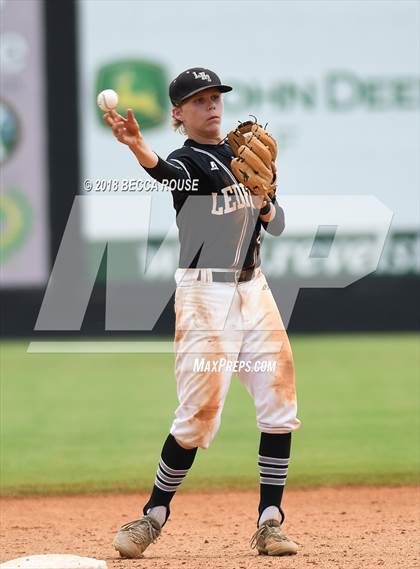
{"type": "Point", "coordinates": [127, 131]}
{"type": "Point", "coordinates": [268, 211]}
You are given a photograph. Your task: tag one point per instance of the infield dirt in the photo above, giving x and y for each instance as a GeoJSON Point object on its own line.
{"type": "Point", "coordinates": [350, 527]}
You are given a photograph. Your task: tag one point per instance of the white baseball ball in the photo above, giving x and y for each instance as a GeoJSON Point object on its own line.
{"type": "Point", "coordinates": [107, 100]}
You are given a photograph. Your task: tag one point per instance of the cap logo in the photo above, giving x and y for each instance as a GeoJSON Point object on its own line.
{"type": "Point", "coordinates": [202, 75]}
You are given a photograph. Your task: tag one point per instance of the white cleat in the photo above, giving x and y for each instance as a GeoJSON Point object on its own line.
{"type": "Point", "coordinates": [134, 537]}
{"type": "Point", "coordinates": [270, 540]}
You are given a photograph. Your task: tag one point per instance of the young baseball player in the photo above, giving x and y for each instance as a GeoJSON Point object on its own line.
{"type": "Point", "coordinates": [226, 317]}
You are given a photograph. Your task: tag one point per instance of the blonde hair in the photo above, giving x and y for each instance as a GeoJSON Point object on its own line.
{"type": "Point", "coordinates": [178, 126]}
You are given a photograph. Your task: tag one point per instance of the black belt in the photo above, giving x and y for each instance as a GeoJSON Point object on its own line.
{"type": "Point", "coordinates": [231, 276]}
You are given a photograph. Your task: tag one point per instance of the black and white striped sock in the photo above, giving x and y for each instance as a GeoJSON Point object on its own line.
{"type": "Point", "coordinates": [168, 479]}
{"type": "Point", "coordinates": [174, 464]}
{"type": "Point", "coordinates": [273, 462]}
{"type": "Point", "coordinates": [273, 471]}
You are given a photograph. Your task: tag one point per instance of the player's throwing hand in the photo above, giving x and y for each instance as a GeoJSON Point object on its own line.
{"type": "Point", "coordinates": [125, 130]}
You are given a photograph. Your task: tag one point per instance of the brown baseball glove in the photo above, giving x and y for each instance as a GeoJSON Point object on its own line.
{"type": "Point", "coordinates": [255, 152]}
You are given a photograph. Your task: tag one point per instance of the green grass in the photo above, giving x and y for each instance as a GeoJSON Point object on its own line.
{"type": "Point", "coordinates": [95, 422]}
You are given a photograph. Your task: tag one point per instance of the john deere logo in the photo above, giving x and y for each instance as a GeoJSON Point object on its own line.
{"type": "Point", "coordinates": [15, 221]}
{"type": "Point", "coordinates": [141, 86]}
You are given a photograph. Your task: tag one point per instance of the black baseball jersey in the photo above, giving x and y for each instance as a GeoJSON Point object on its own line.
{"type": "Point", "coordinates": [219, 227]}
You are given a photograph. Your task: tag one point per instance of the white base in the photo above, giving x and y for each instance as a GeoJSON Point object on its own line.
{"type": "Point", "coordinates": [54, 561]}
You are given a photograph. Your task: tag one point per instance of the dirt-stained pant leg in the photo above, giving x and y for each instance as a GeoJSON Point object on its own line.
{"type": "Point", "coordinates": [271, 379]}
{"type": "Point", "coordinates": [204, 339]}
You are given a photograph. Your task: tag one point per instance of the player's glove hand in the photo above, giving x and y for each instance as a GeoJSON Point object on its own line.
{"type": "Point", "coordinates": [255, 153]}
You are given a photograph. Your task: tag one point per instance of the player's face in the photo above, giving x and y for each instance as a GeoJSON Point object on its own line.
{"type": "Point", "coordinates": [202, 114]}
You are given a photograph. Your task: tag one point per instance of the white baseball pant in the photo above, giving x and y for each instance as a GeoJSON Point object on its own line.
{"type": "Point", "coordinates": [222, 328]}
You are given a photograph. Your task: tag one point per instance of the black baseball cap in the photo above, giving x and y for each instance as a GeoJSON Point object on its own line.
{"type": "Point", "coordinates": [193, 81]}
